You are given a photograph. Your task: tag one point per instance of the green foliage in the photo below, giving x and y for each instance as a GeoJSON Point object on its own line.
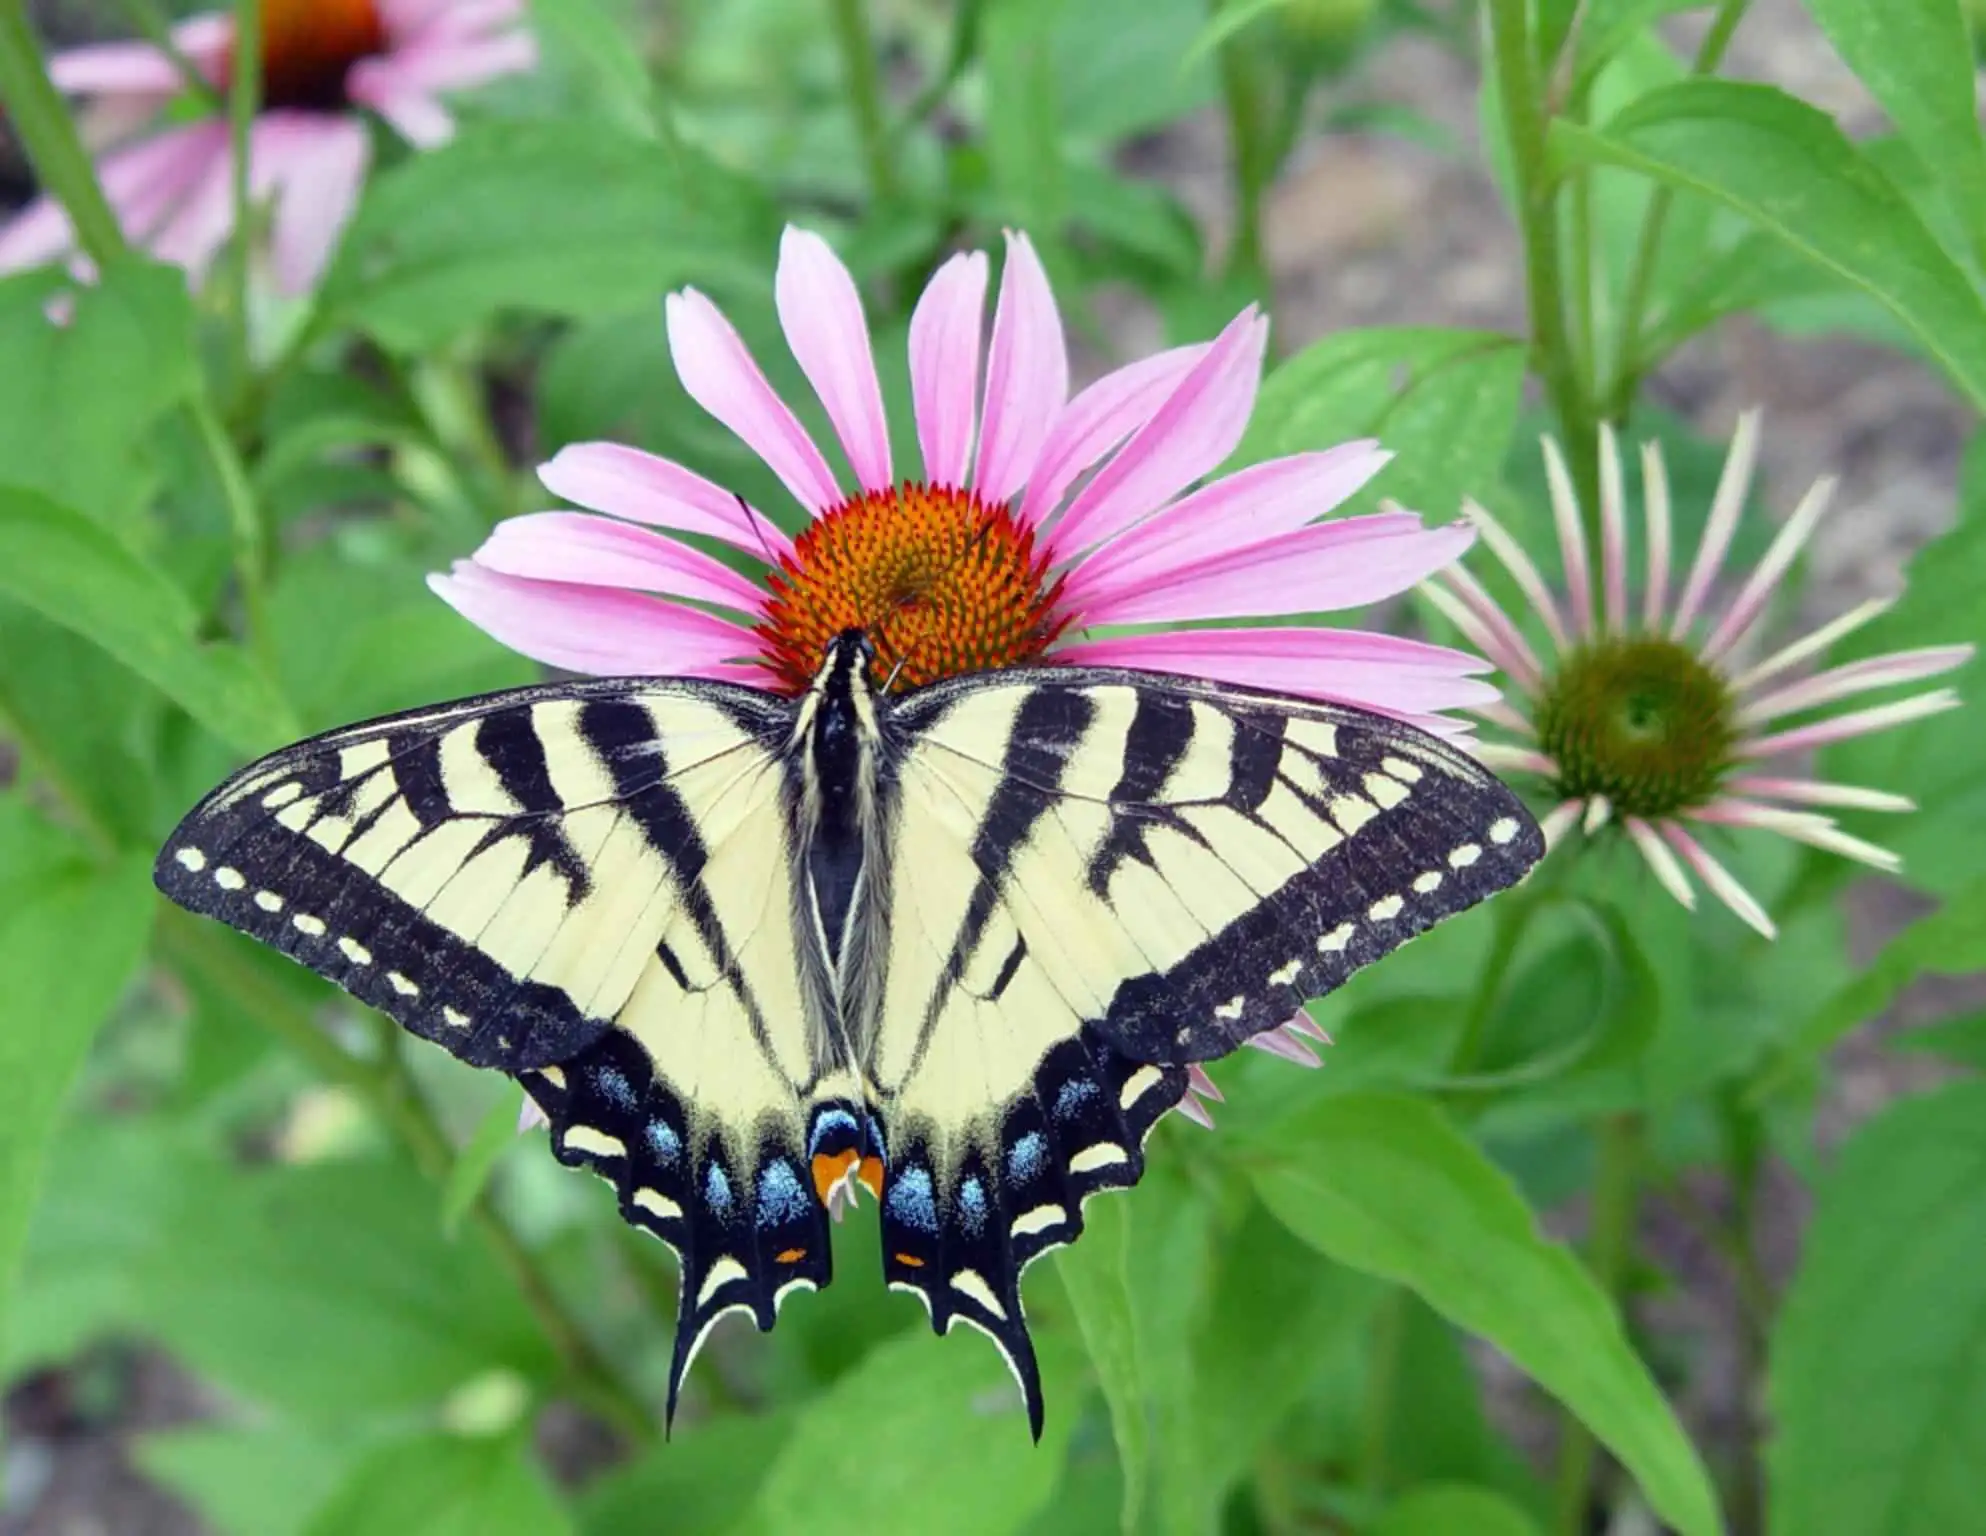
{"type": "Point", "coordinates": [1878, 1383]}
{"type": "Point", "coordinates": [405, 1319]}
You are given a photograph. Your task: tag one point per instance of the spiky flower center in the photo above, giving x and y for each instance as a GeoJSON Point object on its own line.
{"type": "Point", "coordinates": [943, 583]}
{"type": "Point", "coordinates": [310, 46]}
{"type": "Point", "coordinates": [1642, 721]}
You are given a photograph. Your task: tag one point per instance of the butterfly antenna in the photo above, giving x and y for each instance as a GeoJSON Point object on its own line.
{"type": "Point", "coordinates": [757, 526]}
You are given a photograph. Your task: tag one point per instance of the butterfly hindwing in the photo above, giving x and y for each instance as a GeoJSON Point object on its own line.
{"type": "Point", "coordinates": [491, 874]}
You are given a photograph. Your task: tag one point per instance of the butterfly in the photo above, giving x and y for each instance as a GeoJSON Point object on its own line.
{"type": "Point", "coordinates": [957, 945]}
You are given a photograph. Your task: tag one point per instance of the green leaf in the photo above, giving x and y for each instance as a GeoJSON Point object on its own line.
{"type": "Point", "coordinates": [439, 1485]}
{"type": "Point", "coordinates": [1389, 1186]}
{"type": "Point", "coordinates": [597, 47]}
{"type": "Point", "coordinates": [70, 570]}
{"type": "Point", "coordinates": [328, 1291]}
{"type": "Point", "coordinates": [1915, 56]}
{"type": "Point", "coordinates": [66, 953]}
{"type": "Point", "coordinates": [705, 1477]}
{"type": "Point", "coordinates": [944, 1446]}
{"type": "Point", "coordinates": [495, 1134]}
{"type": "Point", "coordinates": [1878, 1375]}
{"type": "Point", "coordinates": [1095, 1274]}
{"type": "Point", "coordinates": [546, 218]}
{"type": "Point", "coordinates": [1454, 1510]}
{"type": "Point", "coordinates": [1785, 165]}
{"type": "Point", "coordinates": [1949, 942]}
{"type": "Point", "coordinates": [1023, 144]}
{"type": "Point", "coordinates": [265, 1480]}
{"type": "Point", "coordinates": [76, 399]}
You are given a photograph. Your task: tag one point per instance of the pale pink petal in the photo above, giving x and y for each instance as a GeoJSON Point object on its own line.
{"type": "Point", "coordinates": [1303, 1024]}
{"type": "Point", "coordinates": [1812, 644]}
{"type": "Point", "coordinates": [429, 65]}
{"type": "Point", "coordinates": [1256, 503]}
{"type": "Point", "coordinates": [1599, 810]}
{"type": "Point", "coordinates": [1367, 671]}
{"type": "Point", "coordinates": [1859, 722]}
{"type": "Point", "coordinates": [1027, 376]}
{"type": "Point", "coordinates": [147, 182]}
{"type": "Point", "coordinates": [1319, 569]}
{"type": "Point", "coordinates": [1522, 571]}
{"type": "Point", "coordinates": [1198, 1082]}
{"type": "Point", "coordinates": [419, 119]}
{"type": "Point", "coordinates": [594, 629]}
{"type": "Point", "coordinates": [1100, 418]}
{"type": "Point", "coordinates": [719, 374]}
{"type": "Point", "coordinates": [1613, 532]}
{"type": "Point", "coordinates": [1725, 509]}
{"type": "Point", "coordinates": [944, 365]}
{"type": "Point", "coordinates": [35, 236]}
{"type": "Point", "coordinates": [1660, 860]}
{"type": "Point", "coordinates": [1275, 1042]}
{"type": "Point", "coordinates": [530, 1116]}
{"type": "Point", "coordinates": [1560, 820]}
{"type": "Point", "coordinates": [629, 483]}
{"type": "Point", "coordinates": [821, 313]}
{"type": "Point", "coordinates": [1720, 880]}
{"type": "Point", "coordinates": [1503, 758]}
{"type": "Point", "coordinates": [202, 223]}
{"type": "Point", "coordinates": [1500, 713]}
{"type": "Point", "coordinates": [1758, 589]}
{"type": "Point", "coordinates": [1802, 826]}
{"type": "Point", "coordinates": [320, 169]}
{"type": "Point", "coordinates": [408, 21]}
{"type": "Point", "coordinates": [1571, 540]}
{"type": "Point", "coordinates": [1190, 1108]}
{"type": "Point", "coordinates": [1197, 427]}
{"type": "Point", "coordinates": [590, 551]}
{"type": "Point", "coordinates": [1470, 608]}
{"type": "Point", "coordinates": [115, 69]}
{"type": "Point", "coordinates": [1655, 493]}
{"type": "Point", "coordinates": [1856, 677]}
{"type": "Point", "coordinates": [1817, 792]}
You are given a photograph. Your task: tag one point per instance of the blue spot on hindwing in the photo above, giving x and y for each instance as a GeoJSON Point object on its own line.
{"type": "Point", "coordinates": [663, 1142]}
{"type": "Point", "coordinates": [972, 1206]}
{"type": "Point", "coordinates": [614, 1087]}
{"type": "Point", "coordinates": [1026, 1157]}
{"type": "Point", "coordinates": [717, 1190]}
{"type": "Point", "coordinates": [1075, 1093]}
{"type": "Point", "coordinates": [781, 1197]}
{"type": "Point", "coordinates": [910, 1201]}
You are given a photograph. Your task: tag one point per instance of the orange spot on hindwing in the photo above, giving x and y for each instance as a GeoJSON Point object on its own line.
{"type": "Point", "coordinates": [830, 1168]}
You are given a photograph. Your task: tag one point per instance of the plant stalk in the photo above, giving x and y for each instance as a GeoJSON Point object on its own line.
{"type": "Point", "coordinates": [49, 136]}
{"type": "Point", "coordinates": [1629, 364]}
{"type": "Point", "coordinates": [244, 98]}
{"type": "Point", "coordinates": [1609, 1244]}
{"type": "Point", "coordinates": [864, 80]}
{"type": "Point", "coordinates": [1522, 92]}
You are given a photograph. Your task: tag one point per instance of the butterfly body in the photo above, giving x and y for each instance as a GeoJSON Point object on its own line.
{"type": "Point", "coordinates": [960, 945]}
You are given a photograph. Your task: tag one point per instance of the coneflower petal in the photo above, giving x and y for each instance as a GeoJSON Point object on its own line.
{"type": "Point", "coordinates": [1723, 885]}
{"type": "Point", "coordinates": [1725, 509]}
{"type": "Point", "coordinates": [1571, 540]}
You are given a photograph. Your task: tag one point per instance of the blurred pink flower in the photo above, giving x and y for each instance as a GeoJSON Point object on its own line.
{"type": "Point", "coordinates": [1038, 517]}
{"type": "Point", "coordinates": [322, 61]}
{"type": "Point", "coordinates": [1637, 720]}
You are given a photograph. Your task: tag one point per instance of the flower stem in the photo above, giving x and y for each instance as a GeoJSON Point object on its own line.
{"type": "Point", "coordinates": [1609, 1243]}
{"type": "Point", "coordinates": [49, 136]}
{"type": "Point", "coordinates": [1629, 364]}
{"type": "Point", "coordinates": [1386, 1334]}
{"type": "Point", "coordinates": [390, 1091]}
{"type": "Point", "coordinates": [244, 97]}
{"type": "Point", "coordinates": [1251, 140]}
{"type": "Point", "coordinates": [1521, 89]}
{"type": "Point", "coordinates": [865, 93]}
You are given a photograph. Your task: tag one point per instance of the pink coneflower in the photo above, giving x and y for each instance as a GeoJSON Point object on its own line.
{"type": "Point", "coordinates": [1036, 519]}
{"type": "Point", "coordinates": [322, 61]}
{"type": "Point", "coordinates": [1649, 716]}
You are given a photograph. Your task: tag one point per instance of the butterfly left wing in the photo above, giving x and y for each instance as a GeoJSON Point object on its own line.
{"type": "Point", "coordinates": [1103, 877]}
{"type": "Point", "coordinates": [590, 886]}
